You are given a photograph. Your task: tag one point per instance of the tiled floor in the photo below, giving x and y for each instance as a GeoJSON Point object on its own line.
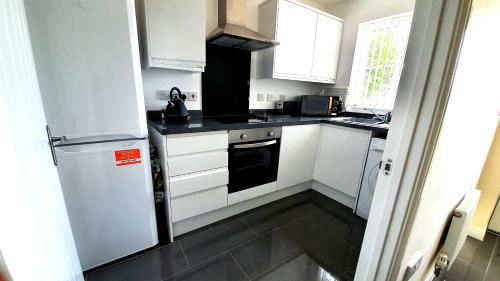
{"type": "Point", "coordinates": [306, 236]}
{"type": "Point", "coordinates": [477, 261]}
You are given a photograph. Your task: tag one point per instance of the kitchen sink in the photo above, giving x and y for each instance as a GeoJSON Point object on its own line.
{"type": "Point", "coordinates": [358, 120]}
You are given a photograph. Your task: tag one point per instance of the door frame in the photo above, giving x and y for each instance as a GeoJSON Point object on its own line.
{"type": "Point", "coordinates": [436, 37]}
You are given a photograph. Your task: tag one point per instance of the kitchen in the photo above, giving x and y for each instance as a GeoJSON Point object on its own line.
{"type": "Point", "coordinates": [240, 129]}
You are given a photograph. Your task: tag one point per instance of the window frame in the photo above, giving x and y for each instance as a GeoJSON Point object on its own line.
{"type": "Point", "coordinates": [360, 52]}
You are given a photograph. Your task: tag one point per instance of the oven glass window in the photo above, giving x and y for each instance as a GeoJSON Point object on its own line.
{"type": "Point", "coordinates": [251, 167]}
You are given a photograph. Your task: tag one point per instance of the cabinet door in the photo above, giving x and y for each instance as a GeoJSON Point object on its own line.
{"type": "Point", "coordinates": [327, 48]}
{"type": "Point", "coordinates": [296, 30]}
{"type": "Point", "coordinates": [297, 154]}
{"type": "Point", "coordinates": [176, 30]}
{"type": "Point", "coordinates": [341, 158]}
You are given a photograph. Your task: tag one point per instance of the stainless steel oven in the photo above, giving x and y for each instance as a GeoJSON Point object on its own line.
{"type": "Point", "coordinates": [253, 157]}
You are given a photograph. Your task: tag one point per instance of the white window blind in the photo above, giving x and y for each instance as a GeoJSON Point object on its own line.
{"type": "Point", "coordinates": [378, 62]}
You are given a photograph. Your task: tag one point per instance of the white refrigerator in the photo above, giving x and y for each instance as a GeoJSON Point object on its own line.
{"type": "Point", "coordinates": [87, 60]}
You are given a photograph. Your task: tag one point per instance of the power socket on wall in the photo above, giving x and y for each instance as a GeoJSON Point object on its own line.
{"type": "Point", "coordinates": [273, 97]}
{"type": "Point", "coordinates": [165, 95]}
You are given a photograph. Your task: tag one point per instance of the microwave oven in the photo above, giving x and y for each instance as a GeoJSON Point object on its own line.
{"type": "Point", "coordinates": [320, 105]}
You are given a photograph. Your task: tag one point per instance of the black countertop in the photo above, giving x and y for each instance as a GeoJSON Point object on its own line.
{"type": "Point", "coordinates": [205, 124]}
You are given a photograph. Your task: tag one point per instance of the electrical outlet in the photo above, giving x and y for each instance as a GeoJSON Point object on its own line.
{"type": "Point", "coordinates": [192, 96]}
{"type": "Point", "coordinates": [272, 98]}
{"type": "Point", "coordinates": [162, 94]}
{"type": "Point", "coordinates": [260, 97]}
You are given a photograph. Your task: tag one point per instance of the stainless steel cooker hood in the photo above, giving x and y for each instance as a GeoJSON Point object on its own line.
{"type": "Point", "coordinates": [232, 31]}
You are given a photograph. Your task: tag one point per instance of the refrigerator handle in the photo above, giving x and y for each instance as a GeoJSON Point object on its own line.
{"type": "Point", "coordinates": [51, 143]}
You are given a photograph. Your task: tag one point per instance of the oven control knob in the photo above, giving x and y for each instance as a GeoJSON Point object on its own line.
{"type": "Point", "coordinates": [270, 134]}
{"type": "Point", "coordinates": [243, 136]}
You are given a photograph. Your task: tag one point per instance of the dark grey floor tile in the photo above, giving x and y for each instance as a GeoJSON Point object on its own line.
{"type": "Point", "coordinates": [493, 273]}
{"type": "Point", "coordinates": [350, 273]}
{"type": "Point", "coordinates": [355, 232]}
{"type": "Point", "coordinates": [477, 252]}
{"type": "Point", "coordinates": [276, 215]}
{"type": "Point", "coordinates": [462, 271]}
{"type": "Point", "coordinates": [307, 269]}
{"type": "Point", "coordinates": [265, 252]}
{"type": "Point", "coordinates": [191, 233]}
{"type": "Point", "coordinates": [282, 272]}
{"type": "Point", "coordinates": [311, 228]}
{"type": "Point", "coordinates": [339, 210]}
{"type": "Point", "coordinates": [216, 240]}
{"type": "Point", "coordinates": [158, 264]}
{"type": "Point", "coordinates": [333, 254]}
{"type": "Point", "coordinates": [220, 268]}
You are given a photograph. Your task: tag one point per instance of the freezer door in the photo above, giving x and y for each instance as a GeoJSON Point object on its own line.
{"type": "Point", "coordinates": [108, 192]}
{"type": "Point", "coordinates": [87, 60]}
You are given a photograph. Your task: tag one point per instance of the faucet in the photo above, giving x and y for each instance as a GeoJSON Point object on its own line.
{"type": "Point", "coordinates": [377, 116]}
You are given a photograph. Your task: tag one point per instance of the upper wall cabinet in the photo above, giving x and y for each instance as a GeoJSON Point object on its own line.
{"type": "Point", "coordinates": [309, 42]}
{"type": "Point", "coordinates": [172, 33]}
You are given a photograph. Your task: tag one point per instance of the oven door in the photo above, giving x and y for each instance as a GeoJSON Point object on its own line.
{"type": "Point", "coordinates": [252, 164]}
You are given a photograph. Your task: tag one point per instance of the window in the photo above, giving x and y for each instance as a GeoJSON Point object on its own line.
{"type": "Point", "coordinates": [378, 61]}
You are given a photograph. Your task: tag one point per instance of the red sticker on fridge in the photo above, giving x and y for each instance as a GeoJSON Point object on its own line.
{"type": "Point", "coordinates": [127, 157]}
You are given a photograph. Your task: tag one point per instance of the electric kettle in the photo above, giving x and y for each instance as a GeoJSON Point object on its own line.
{"type": "Point", "coordinates": [176, 110]}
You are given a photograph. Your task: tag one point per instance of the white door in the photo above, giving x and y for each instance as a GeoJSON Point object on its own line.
{"type": "Point", "coordinates": [297, 154]}
{"type": "Point", "coordinates": [327, 48]}
{"type": "Point", "coordinates": [296, 31]}
{"type": "Point", "coordinates": [108, 190]}
{"type": "Point", "coordinates": [36, 240]}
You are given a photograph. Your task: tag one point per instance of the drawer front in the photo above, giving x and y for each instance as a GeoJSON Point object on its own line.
{"type": "Point", "coordinates": [198, 203]}
{"type": "Point", "coordinates": [179, 145]}
{"type": "Point", "coordinates": [192, 163]}
{"type": "Point", "coordinates": [182, 185]}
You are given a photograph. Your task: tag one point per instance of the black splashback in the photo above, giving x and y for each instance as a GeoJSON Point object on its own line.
{"type": "Point", "coordinates": [226, 81]}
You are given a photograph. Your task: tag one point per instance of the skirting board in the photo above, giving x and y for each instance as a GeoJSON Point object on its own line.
{"type": "Point", "coordinates": [477, 233]}
{"type": "Point", "coordinates": [334, 194]}
{"type": "Point", "coordinates": [187, 225]}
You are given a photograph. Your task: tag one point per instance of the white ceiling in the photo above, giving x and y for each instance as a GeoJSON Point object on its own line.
{"type": "Point", "coordinates": [325, 3]}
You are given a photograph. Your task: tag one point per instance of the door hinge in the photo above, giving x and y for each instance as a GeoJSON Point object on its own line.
{"type": "Point", "coordinates": [387, 167]}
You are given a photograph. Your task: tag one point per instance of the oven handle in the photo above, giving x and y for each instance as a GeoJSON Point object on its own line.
{"type": "Point", "coordinates": [253, 145]}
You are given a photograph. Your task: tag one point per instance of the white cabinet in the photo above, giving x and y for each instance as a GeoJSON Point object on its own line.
{"type": "Point", "coordinates": [296, 39]}
{"type": "Point", "coordinates": [297, 154]}
{"type": "Point", "coordinates": [327, 48]}
{"type": "Point", "coordinates": [309, 42]}
{"type": "Point", "coordinates": [172, 33]}
{"type": "Point", "coordinates": [197, 173]}
{"type": "Point", "coordinates": [341, 157]}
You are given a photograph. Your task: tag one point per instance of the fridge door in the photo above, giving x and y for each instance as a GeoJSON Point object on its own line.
{"type": "Point", "coordinates": [108, 192]}
{"type": "Point", "coordinates": [87, 60]}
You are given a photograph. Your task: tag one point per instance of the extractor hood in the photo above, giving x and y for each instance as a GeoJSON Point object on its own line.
{"type": "Point", "coordinates": [232, 31]}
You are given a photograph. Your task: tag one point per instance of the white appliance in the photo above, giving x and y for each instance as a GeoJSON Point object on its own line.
{"type": "Point", "coordinates": [370, 176]}
{"type": "Point", "coordinates": [87, 59]}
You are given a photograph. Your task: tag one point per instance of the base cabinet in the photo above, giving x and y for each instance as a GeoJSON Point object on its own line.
{"type": "Point", "coordinates": [297, 154]}
{"type": "Point", "coordinates": [341, 157]}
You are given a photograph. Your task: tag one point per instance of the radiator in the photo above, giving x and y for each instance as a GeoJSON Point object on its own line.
{"type": "Point", "coordinates": [460, 224]}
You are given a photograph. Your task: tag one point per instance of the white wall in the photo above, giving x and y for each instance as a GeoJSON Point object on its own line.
{"type": "Point", "coordinates": [463, 142]}
{"type": "Point", "coordinates": [164, 79]}
{"type": "Point", "coordinates": [155, 79]}
{"type": "Point", "coordinates": [355, 12]}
